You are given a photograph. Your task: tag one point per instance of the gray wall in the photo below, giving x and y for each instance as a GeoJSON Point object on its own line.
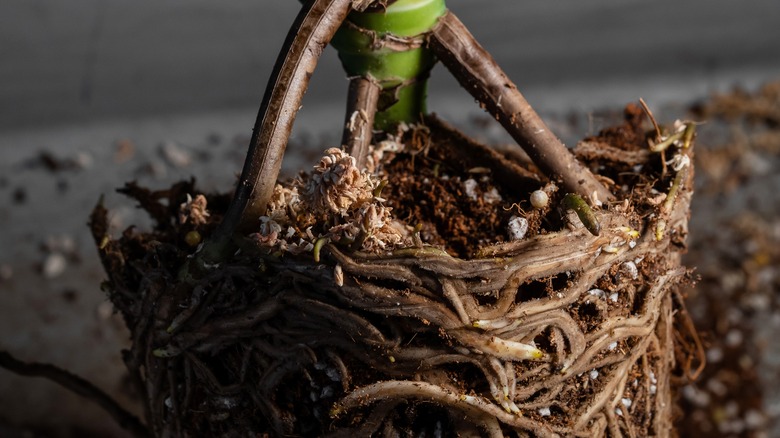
{"type": "Point", "coordinates": [72, 61]}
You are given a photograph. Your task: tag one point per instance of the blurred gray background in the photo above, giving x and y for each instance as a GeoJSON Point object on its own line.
{"type": "Point", "coordinates": [87, 60]}
{"type": "Point", "coordinates": [97, 92]}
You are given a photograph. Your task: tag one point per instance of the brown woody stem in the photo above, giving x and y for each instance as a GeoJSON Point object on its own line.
{"type": "Point", "coordinates": [478, 73]}
{"type": "Point", "coordinates": [362, 101]}
{"type": "Point", "coordinates": [313, 29]}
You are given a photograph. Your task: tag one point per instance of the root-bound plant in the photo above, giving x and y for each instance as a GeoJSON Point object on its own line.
{"type": "Point", "coordinates": [415, 282]}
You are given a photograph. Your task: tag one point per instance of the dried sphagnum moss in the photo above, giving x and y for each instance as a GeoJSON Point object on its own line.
{"type": "Point", "coordinates": [338, 202]}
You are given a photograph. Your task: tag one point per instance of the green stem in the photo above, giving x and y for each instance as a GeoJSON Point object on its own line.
{"type": "Point", "coordinates": [387, 46]}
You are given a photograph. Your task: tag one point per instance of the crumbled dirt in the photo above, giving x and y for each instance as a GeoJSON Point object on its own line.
{"type": "Point", "coordinates": [458, 204]}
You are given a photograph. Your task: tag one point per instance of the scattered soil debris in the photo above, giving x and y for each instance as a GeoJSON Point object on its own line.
{"type": "Point", "coordinates": [735, 244]}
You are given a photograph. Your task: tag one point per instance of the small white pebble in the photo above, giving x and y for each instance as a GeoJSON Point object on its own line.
{"type": "Point", "coordinates": [438, 430]}
{"type": "Point", "coordinates": [717, 387]}
{"type": "Point", "coordinates": [168, 403]}
{"type": "Point", "coordinates": [544, 412]}
{"type": "Point", "coordinates": [630, 268]}
{"type": "Point", "coordinates": [83, 160]}
{"type": "Point", "coordinates": [54, 265]}
{"type": "Point", "coordinates": [619, 411]}
{"type": "Point", "coordinates": [104, 310]}
{"type": "Point", "coordinates": [731, 281]}
{"type": "Point", "coordinates": [696, 396]}
{"type": "Point", "coordinates": [626, 402]}
{"type": "Point", "coordinates": [597, 293]}
{"type": "Point", "coordinates": [758, 301]}
{"type": "Point", "coordinates": [175, 155]}
{"type": "Point", "coordinates": [338, 275]}
{"type": "Point", "coordinates": [326, 392]}
{"type": "Point", "coordinates": [631, 244]}
{"type": "Point", "coordinates": [594, 374]}
{"type": "Point", "coordinates": [653, 381]}
{"type": "Point", "coordinates": [539, 199]}
{"type": "Point", "coordinates": [470, 186]}
{"type": "Point", "coordinates": [492, 196]}
{"type": "Point", "coordinates": [613, 297]}
{"type": "Point", "coordinates": [734, 338]}
{"type": "Point", "coordinates": [754, 419]}
{"type": "Point", "coordinates": [612, 346]}
{"type": "Point", "coordinates": [517, 227]}
{"type": "Point", "coordinates": [735, 427]}
{"type": "Point", "coordinates": [735, 316]}
{"type": "Point", "coordinates": [333, 374]}
{"type": "Point", "coordinates": [226, 402]}
{"type": "Point", "coordinates": [714, 355]}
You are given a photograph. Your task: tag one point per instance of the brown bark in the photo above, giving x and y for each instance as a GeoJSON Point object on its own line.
{"type": "Point", "coordinates": [481, 76]}
{"type": "Point", "coordinates": [359, 123]}
{"type": "Point", "coordinates": [312, 31]}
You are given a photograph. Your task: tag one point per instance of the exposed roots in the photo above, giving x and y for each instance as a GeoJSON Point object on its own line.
{"type": "Point", "coordinates": [564, 333]}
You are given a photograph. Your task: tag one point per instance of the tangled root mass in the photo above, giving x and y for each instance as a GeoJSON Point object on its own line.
{"type": "Point", "coordinates": [423, 313]}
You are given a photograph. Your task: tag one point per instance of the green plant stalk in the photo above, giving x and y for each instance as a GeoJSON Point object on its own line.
{"type": "Point", "coordinates": [407, 103]}
{"type": "Point", "coordinates": [574, 202]}
{"type": "Point", "coordinates": [387, 47]}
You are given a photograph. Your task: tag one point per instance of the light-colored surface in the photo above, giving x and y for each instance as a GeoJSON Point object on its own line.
{"type": "Point", "coordinates": [77, 77]}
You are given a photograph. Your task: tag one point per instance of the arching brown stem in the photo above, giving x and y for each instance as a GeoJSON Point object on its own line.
{"type": "Point", "coordinates": [478, 73]}
{"type": "Point", "coordinates": [313, 29]}
{"type": "Point", "coordinates": [362, 100]}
